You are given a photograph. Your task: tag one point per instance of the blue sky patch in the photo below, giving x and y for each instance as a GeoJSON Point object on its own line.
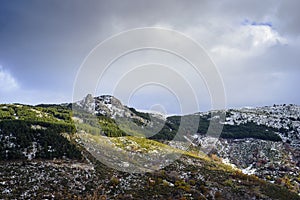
{"type": "Point", "coordinates": [254, 23]}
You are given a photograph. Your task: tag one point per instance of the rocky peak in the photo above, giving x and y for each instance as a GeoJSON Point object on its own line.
{"type": "Point", "coordinates": [109, 106]}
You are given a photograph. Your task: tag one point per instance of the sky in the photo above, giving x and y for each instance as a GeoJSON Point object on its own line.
{"type": "Point", "coordinates": [254, 45]}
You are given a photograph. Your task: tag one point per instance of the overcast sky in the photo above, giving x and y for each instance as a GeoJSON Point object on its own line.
{"type": "Point", "coordinates": [255, 45]}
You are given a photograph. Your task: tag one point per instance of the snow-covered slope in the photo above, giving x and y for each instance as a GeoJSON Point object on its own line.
{"type": "Point", "coordinates": [285, 118]}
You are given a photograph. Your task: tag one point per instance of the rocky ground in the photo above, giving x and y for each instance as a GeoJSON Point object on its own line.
{"type": "Point", "coordinates": [192, 176]}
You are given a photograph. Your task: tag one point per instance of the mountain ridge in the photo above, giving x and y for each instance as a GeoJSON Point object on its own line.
{"type": "Point", "coordinates": [277, 162]}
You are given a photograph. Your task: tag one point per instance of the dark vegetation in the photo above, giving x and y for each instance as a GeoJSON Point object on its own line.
{"type": "Point", "coordinates": [140, 114]}
{"type": "Point", "coordinates": [109, 127]}
{"type": "Point", "coordinates": [248, 130]}
{"type": "Point", "coordinates": [98, 125]}
{"type": "Point", "coordinates": [17, 135]}
{"type": "Point", "coordinates": [21, 126]}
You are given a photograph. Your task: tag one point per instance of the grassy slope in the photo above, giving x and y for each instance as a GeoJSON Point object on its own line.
{"type": "Point", "coordinates": [217, 178]}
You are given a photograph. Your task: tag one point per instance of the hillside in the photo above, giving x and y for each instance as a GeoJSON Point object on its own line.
{"type": "Point", "coordinates": [100, 150]}
{"type": "Point", "coordinates": [192, 176]}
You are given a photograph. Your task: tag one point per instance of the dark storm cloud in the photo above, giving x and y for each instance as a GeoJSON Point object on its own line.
{"type": "Point", "coordinates": [43, 43]}
{"type": "Point", "coordinates": [43, 40]}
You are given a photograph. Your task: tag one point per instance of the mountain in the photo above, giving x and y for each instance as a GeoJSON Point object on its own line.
{"type": "Point", "coordinates": [97, 148]}
{"type": "Point", "coordinates": [275, 160]}
{"type": "Point", "coordinates": [116, 119]}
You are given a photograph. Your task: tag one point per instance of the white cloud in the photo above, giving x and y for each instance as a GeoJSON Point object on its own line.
{"type": "Point", "coordinates": [264, 36]}
{"type": "Point", "coordinates": [247, 41]}
{"type": "Point", "coordinates": [11, 92]}
{"type": "Point", "coordinates": [7, 81]}
{"type": "Point", "coordinates": [255, 60]}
